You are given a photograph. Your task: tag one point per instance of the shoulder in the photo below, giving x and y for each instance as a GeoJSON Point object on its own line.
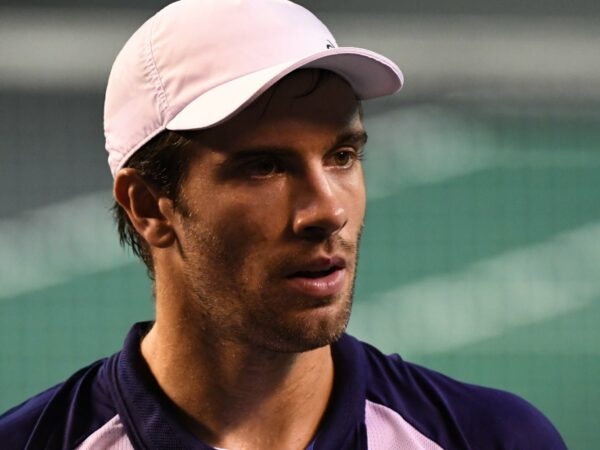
{"type": "Point", "coordinates": [17, 423]}
{"type": "Point", "coordinates": [60, 416]}
{"type": "Point", "coordinates": [453, 413]}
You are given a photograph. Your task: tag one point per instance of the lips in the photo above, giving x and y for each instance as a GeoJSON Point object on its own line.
{"type": "Point", "coordinates": [322, 277]}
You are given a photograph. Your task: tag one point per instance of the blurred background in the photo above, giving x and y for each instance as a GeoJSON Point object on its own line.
{"type": "Point", "coordinates": [481, 255]}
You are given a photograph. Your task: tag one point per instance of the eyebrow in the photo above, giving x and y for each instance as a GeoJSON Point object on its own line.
{"type": "Point", "coordinates": [350, 137]}
{"type": "Point", "coordinates": [354, 137]}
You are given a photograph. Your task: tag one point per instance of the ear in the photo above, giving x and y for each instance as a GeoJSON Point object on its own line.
{"type": "Point", "coordinates": [150, 212]}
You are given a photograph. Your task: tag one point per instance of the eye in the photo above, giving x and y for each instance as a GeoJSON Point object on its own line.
{"type": "Point", "coordinates": [262, 167]}
{"type": "Point", "coordinates": [345, 158]}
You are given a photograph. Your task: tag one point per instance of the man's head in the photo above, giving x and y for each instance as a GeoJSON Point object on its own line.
{"type": "Point", "coordinates": [260, 236]}
{"type": "Point", "coordinates": [234, 135]}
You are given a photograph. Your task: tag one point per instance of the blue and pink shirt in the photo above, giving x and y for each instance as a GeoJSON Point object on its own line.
{"type": "Point", "coordinates": [379, 402]}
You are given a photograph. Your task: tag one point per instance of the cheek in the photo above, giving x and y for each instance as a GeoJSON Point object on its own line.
{"type": "Point", "coordinates": [356, 199]}
{"type": "Point", "coordinates": [246, 224]}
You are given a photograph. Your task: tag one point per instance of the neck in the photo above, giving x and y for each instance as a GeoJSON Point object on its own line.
{"type": "Point", "coordinates": [234, 395]}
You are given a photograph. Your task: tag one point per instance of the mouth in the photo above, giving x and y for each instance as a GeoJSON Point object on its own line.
{"type": "Point", "coordinates": [324, 277]}
{"type": "Point", "coordinates": [318, 267]}
{"type": "Point", "coordinates": [315, 273]}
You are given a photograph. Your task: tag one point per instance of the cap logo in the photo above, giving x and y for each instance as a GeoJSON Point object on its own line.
{"type": "Point", "coordinates": [330, 45]}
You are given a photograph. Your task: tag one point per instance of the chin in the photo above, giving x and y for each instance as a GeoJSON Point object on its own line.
{"type": "Point", "coordinates": [318, 328]}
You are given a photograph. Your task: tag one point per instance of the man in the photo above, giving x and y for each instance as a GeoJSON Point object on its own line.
{"type": "Point", "coordinates": [235, 137]}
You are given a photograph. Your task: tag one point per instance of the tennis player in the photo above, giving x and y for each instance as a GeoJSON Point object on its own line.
{"type": "Point", "coordinates": [235, 135]}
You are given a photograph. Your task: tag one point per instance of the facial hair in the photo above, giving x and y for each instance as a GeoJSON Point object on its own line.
{"type": "Point", "coordinates": [225, 304]}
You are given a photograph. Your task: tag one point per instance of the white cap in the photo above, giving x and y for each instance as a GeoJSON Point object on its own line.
{"type": "Point", "coordinates": [198, 62]}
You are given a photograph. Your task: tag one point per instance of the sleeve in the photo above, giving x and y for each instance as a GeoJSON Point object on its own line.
{"type": "Point", "coordinates": [17, 425]}
{"type": "Point", "coordinates": [514, 423]}
{"type": "Point", "coordinates": [458, 415]}
{"type": "Point", "coordinates": [59, 418]}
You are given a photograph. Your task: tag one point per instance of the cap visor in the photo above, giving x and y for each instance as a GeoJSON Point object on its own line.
{"type": "Point", "coordinates": [368, 73]}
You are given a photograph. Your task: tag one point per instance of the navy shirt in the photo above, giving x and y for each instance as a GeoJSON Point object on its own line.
{"type": "Point", "coordinates": [378, 402]}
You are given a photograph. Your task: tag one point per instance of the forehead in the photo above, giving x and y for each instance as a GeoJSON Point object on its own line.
{"type": "Point", "coordinates": [305, 104]}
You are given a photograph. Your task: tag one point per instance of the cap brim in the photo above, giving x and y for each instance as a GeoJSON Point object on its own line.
{"type": "Point", "coordinates": [368, 73]}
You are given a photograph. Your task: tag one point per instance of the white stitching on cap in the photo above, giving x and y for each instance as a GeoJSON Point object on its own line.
{"type": "Point", "coordinates": [155, 75]}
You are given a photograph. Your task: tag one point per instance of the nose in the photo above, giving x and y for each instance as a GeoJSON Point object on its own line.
{"type": "Point", "coordinates": [318, 211]}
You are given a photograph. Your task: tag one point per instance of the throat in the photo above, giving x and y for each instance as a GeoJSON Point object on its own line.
{"type": "Point", "coordinates": [232, 396]}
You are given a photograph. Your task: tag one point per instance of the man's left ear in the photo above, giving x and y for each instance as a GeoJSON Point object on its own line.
{"type": "Point", "coordinates": [150, 212]}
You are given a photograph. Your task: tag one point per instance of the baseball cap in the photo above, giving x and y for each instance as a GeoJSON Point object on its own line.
{"type": "Point", "coordinates": [196, 63]}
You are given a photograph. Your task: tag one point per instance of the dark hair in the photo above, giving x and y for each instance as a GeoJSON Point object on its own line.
{"type": "Point", "coordinates": [163, 163]}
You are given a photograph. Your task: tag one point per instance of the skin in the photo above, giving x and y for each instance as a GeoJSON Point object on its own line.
{"type": "Point", "coordinates": [272, 205]}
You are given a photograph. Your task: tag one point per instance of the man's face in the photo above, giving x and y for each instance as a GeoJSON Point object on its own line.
{"type": "Point", "coordinates": [271, 213]}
